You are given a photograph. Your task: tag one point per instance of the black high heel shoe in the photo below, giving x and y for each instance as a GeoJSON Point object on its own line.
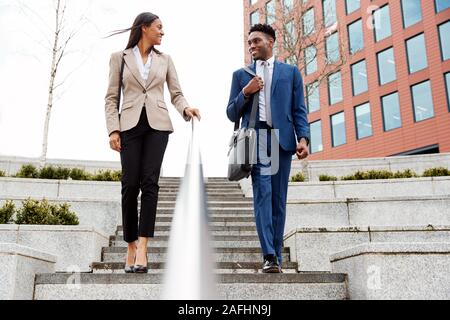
{"type": "Point", "coordinates": [140, 268]}
{"type": "Point", "coordinates": [130, 269]}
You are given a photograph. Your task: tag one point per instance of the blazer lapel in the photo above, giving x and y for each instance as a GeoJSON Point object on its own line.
{"type": "Point", "coordinates": [130, 60]}
{"type": "Point", "coordinates": [154, 68]}
{"type": "Point", "coordinates": [276, 75]}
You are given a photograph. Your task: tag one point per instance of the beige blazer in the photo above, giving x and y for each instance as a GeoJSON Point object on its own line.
{"type": "Point", "coordinates": [137, 93]}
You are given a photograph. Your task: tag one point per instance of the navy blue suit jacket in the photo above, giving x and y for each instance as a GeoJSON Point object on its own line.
{"type": "Point", "coordinates": [289, 113]}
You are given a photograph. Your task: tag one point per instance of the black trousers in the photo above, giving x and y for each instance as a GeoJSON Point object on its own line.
{"type": "Point", "coordinates": [141, 157]}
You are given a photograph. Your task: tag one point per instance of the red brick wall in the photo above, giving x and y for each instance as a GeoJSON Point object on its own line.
{"type": "Point", "coordinates": [411, 135]}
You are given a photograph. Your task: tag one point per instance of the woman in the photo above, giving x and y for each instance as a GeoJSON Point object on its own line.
{"type": "Point", "coordinates": [140, 133]}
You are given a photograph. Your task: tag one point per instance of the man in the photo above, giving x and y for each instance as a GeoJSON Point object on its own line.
{"type": "Point", "coordinates": [282, 113]}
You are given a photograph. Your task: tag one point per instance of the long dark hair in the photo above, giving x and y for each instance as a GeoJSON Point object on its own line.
{"type": "Point", "coordinates": [144, 19]}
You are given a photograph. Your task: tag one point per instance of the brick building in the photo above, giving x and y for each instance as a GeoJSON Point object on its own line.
{"type": "Point", "coordinates": [391, 95]}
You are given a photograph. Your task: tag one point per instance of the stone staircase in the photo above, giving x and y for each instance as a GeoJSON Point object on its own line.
{"type": "Point", "coordinates": [237, 256]}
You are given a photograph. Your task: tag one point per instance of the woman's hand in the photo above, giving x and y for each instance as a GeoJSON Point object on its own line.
{"type": "Point", "coordinates": [192, 112]}
{"type": "Point", "coordinates": [114, 141]}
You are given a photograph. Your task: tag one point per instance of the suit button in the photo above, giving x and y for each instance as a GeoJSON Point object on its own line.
{"type": "Point", "coordinates": [144, 92]}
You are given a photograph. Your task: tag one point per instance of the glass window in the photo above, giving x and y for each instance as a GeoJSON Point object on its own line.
{"type": "Point", "coordinates": [447, 84]}
{"type": "Point", "coordinates": [441, 5]}
{"type": "Point", "coordinates": [422, 101]}
{"type": "Point", "coordinates": [288, 5]}
{"type": "Point", "coordinates": [417, 53]}
{"type": "Point", "coordinates": [382, 23]}
{"type": "Point", "coordinates": [359, 77]}
{"type": "Point", "coordinates": [254, 17]}
{"type": "Point", "coordinates": [390, 105]}
{"type": "Point", "coordinates": [335, 88]}
{"type": "Point", "coordinates": [311, 59]}
{"type": "Point", "coordinates": [309, 22]}
{"type": "Point", "coordinates": [316, 137]}
{"type": "Point", "coordinates": [386, 66]}
{"type": "Point", "coordinates": [338, 129]}
{"type": "Point", "coordinates": [355, 35]}
{"type": "Point", "coordinates": [363, 121]}
{"type": "Point", "coordinates": [291, 34]}
{"type": "Point", "coordinates": [332, 47]}
{"type": "Point", "coordinates": [352, 5]}
{"type": "Point", "coordinates": [444, 32]}
{"type": "Point", "coordinates": [329, 12]}
{"type": "Point", "coordinates": [313, 97]}
{"type": "Point", "coordinates": [270, 12]}
{"type": "Point", "coordinates": [412, 12]}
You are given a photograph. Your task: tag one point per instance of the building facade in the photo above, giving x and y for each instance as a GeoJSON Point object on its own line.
{"type": "Point", "coordinates": [391, 93]}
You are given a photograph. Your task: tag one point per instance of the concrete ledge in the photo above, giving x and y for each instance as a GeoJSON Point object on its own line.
{"type": "Point", "coordinates": [75, 247]}
{"type": "Point", "coordinates": [102, 215]}
{"type": "Point", "coordinates": [35, 188]}
{"type": "Point", "coordinates": [313, 169]}
{"type": "Point", "coordinates": [19, 266]}
{"type": "Point", "coordinates": [311, 247]}
{"type": "Point", "coordinates": [385, 271]}
{"type": "Point", "coordinates": [436, 186]}
{"type": "Point", "coordinates": [11, 165]}
{"type": "Point", "coordinates": [384, 211]}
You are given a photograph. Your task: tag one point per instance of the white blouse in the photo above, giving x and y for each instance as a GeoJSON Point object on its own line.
{"type": "Point", "coordinates": [143, 69]}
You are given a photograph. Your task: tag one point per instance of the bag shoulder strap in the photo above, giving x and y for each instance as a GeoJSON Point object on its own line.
{"type": "Point", "coordinates": [255, 105]}
{"type": "Point", "coordinates": [122, 66]}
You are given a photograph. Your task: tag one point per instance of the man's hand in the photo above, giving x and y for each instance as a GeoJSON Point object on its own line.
{"type": "Point", "coordinates": [254, 86]}
{"type": "Point", "coordinates": [114, 141]}
{"type": "Point", "coordinates": [192, 112]}
{"type": "Point", "coordinates": [302, 149]}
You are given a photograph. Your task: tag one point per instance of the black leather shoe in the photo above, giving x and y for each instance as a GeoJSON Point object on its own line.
{"type": "Point", "coordinates": [140, 269]}
{"type": "Point", "coordinates": [129, 269]}
{"type": "Point", "coordinates": [271, 265]}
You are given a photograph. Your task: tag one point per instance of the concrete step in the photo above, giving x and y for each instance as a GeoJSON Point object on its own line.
{"type": "Point", "coordinates": [221, 267]}
{"type": "Point", "coordinates": [251, 227]}
{"type": "Point", "coordinates": [164, 243]}
{"type": "Point", "coordinates": [305, 286]}
{"type": "Point", "coordinates": [237, 198]}
{"type": "Point", "coordinates": [162, 238]}
{"type": "Point", "coordinates": [118, 254]}
{"type": "Point", "coordinates": [212, 218]}
{"type": "Point", "coordinates": [212, 223]}
{"type": "Point", "coordinates": [214, 204]}
{"type": "Point", "coordinates": [208, 185]}
{"type": "Point", "coordinates": [213, 211]}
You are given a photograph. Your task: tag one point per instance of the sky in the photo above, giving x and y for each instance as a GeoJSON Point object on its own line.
{"type": "Point", "coordinates": [204, 37]}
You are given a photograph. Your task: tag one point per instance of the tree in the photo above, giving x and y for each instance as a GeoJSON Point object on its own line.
{"type": "Point", "coordinates": [62, 36]}
{"type": "Point", "coordinates": [305, 38]}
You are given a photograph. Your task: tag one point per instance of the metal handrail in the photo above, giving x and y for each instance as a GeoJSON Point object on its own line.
{"type": "Point", "coordinates": [190, 264]}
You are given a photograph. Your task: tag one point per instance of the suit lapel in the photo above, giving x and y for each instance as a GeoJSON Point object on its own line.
{"type": "Point", "coordinates": [130, 60]}
{"type": "Point", "coordinates": [154, 68]}
{"type": "Point", "coordinates": [276, 75]}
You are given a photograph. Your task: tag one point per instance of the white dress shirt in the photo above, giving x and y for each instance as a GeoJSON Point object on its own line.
{"type": "Point", "coordinates": [262, 98]}
{"type": "Point", "coordinates": [144, 70]}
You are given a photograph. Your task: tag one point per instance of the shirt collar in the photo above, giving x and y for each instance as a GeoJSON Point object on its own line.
{"type": "Point", "coordinates": [137, 51]}
{"type": "Point", "coordinates": [271, 61]}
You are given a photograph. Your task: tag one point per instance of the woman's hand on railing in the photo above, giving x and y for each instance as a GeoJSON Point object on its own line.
{"type": "Point", "coordinates": [192, 112]}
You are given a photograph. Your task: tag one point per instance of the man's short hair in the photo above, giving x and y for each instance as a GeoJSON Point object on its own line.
{"type": "Point", "coordinates": [264, 28]}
